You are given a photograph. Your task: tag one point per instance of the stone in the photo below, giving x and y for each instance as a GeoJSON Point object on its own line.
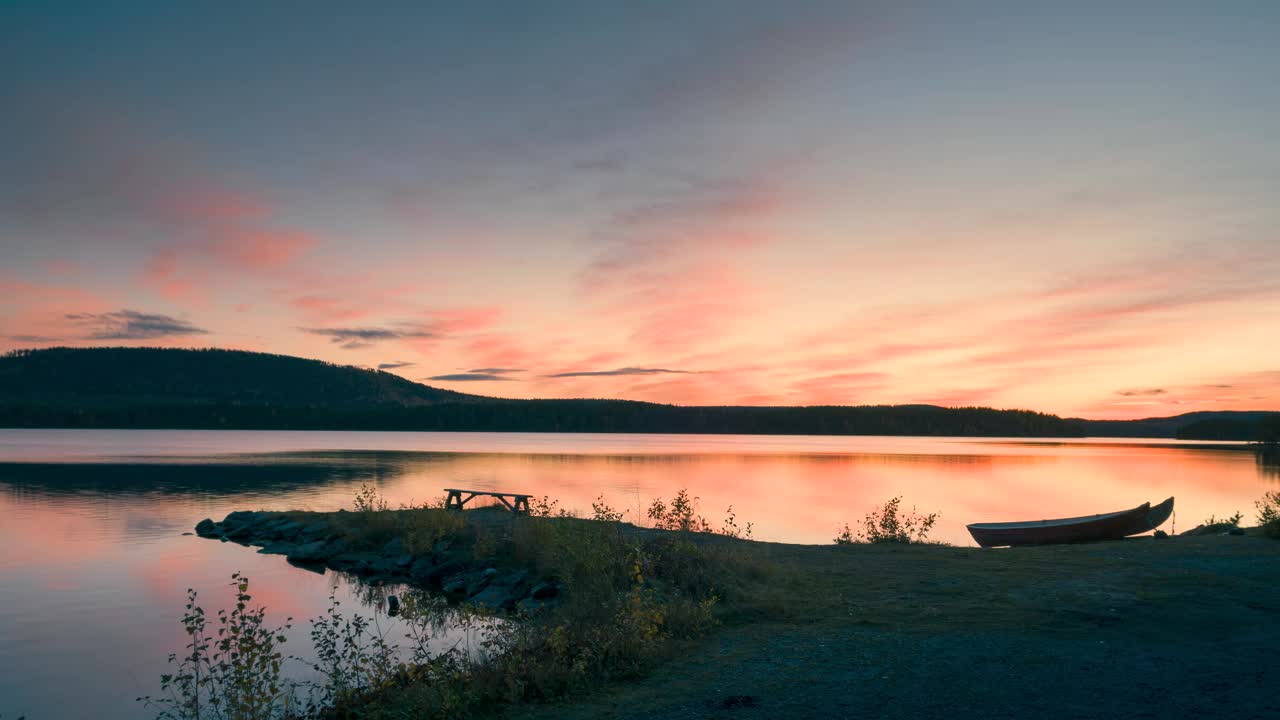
{"type": "Point", "coordinates": [1160, 535]}
{"type": "Point", "coordinates": [455, 587]}
{"type": "Point", "coordinates": [207, 528]}
{"type": "Point", "coordinates": [394, 546]}
{"type": "Point", "coordinates": [314, 531]}
{"type": "Point", "coordinates": [404, 561]}
{"type": "Point", "coordinates": [240, 532]}
{"type": "Point", "coordinates": [530, 605]}
{"type": "Point", "coordinates": [356, 561]}
{"type": "Point", "coordinates": [277, 547]}
{"type": "Point", "coordinates": [496, 597]}
{"type": "Point", "coordinates": [442, 571]}
{"type": "Point", "coordinates": [242, 518]}
{"type": "Point", "coordinates": [287, 529]}
{"type": "Point", "coordinates": [316, 551]}
{"type": "Point", "coordinates": [479, 581]}
{"type": "Point", "coordinates": [544, 591]}
{"type": "Point", "coordinates": [421, 568]}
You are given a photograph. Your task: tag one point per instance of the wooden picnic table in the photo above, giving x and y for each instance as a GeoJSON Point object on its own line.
{"type": "Point", "coordinates": [518, 503]}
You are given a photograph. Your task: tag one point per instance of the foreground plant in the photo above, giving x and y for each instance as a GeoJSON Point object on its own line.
{"type": "Point", "coordinates": [1269, 513]}
{"type": "Point", "coordinates": [890, 524]}
{"type": "Point", "coordinates": [621, 598]}
{"type": "Point", "coordinates": [235, 674]}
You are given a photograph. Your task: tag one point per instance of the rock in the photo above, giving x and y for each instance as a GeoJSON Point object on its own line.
{"type": "Point", "coordinates": [207, 528]}
{"type": "Point", "coordinates": [442, 546]}
{"type": "Point", "coordinates": [480, 581]}
{"type": "Point", "coordinates": [394, 546]}
{"type": "Point", "coordinates": [421, 568]}
{"type": "Point", "coordinates": [356, 561]}
{"type": "Point", "coordinates": [393, 605]}
{"type": "Point", "coordinates": [187, 533]}
{"type": "Point", "coordinates": [497, 597]}
{"type": "Point", "coordinates": [442, 571]}
{"type": "Point", "coordinates": [286, 529]}
{"type": "Point", "coordinates": [241, 518]}
{"type": "Point", "coordinates": [1236, 531]}
{"type": "Point", "coordinates": [240, 533]}
{"type": "Point", "coordinates": [314, 531]}
{"type": "Point", "coordinates": [312, 552]}
{"type": "Point", "coordinates": [530, 605]}
{"type": "Point", "coordinates": [1160, 535]}
{"type": "Point", "coordinates": [544, 591]}
{"type": "Point", "coordinates": [455, 587]}
{"type": "Point", "coordinates": [404, 561]}
{"type": "Point", "coordinates": [277, 547]}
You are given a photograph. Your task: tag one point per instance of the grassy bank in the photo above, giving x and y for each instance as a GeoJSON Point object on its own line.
{"type": "Point", "coordinates": [639, 604]}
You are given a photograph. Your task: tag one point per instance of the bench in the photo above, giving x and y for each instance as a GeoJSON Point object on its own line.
{"type": "Point", "coordinates": [517, 504]}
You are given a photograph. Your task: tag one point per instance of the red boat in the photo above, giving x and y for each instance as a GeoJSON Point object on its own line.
{"type": "Point", "coordinates": [1107, 526]}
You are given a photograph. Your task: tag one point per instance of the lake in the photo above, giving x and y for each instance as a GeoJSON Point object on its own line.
{"type": "Point", "coordinates": [94, 565]}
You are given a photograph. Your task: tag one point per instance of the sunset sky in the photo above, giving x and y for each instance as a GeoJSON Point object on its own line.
{"type": "Point", "coordinates": [1068, 207]}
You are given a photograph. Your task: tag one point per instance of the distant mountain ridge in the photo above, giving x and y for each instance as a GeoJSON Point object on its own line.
{"type": "Point", "coordinates": [174, 388]}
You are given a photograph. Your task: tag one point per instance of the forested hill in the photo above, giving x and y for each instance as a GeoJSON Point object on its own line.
{"type": "Point", "coordinates": [1203, 425]}
{"type": "Point", "coordinates": [113, 377]}
{"type": "Point", "coordinates": [153, 387]}
{"type": "Point", "coordinates": [123, 387]}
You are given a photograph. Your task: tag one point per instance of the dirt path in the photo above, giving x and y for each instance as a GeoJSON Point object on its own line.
{"type": "Point", "coordinates": [1148, 629]}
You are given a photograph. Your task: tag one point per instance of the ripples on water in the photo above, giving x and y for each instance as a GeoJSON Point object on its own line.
{"type": "Point", "coordinates": [94, 566]}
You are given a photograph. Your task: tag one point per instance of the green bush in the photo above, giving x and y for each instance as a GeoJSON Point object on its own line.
{"type": "Point", "coordinates": [233, 674]}
{"type": "Point", "coordinates": [890, 524]}
{"type": "Point", "coordinates": [1268, 507]}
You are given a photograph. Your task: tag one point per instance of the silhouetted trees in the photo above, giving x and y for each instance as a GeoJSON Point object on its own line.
{"type": "Point", "coordinates": [166, 388]}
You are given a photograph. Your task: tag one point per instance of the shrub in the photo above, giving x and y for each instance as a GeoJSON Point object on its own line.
{"type": "Point", "coordinates": [368, 500]}
{"type": "Point", "coordinates": [680, 515]}
{"type": "Point", "coordinates": [235, 674]}
{"type": "Point", "coordinates": [1212, 520]}
{"type": "Point", "coordinates": [890, 524]}
{"type": "Point", "coordinates": [1268, 507]}
{"type": "Point", "coordinates": [602, 512]}
{"type": "Point", "coordinates": [730, 526]}
{"type": "Point", "coordinates": [846, 536]}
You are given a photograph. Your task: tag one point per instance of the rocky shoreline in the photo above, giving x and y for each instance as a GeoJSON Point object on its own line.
{"type": "Point", "coordinates": [311, 541]}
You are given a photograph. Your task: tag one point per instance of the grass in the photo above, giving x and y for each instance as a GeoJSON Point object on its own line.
{"type": "Point", "coordinates": [631, 598]}
{"type": "Point", "coordinates": [636, 599]}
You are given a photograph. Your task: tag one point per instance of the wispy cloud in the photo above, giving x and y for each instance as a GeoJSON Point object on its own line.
{"type": "Point", "coordinates": [394, 365]}
{"type": "Point", "coordinates": [622, 371]}
{"type": "Point", "coordinates": [470, 377]}
{"type": "Point", "coordinates": [496, 371]}
{"type": "Point", "coordinates": [133, 325]}
{"type": "Point", "coordinates": [1142, 393]}
{"type": "Point", "coordinates": [355, 338]}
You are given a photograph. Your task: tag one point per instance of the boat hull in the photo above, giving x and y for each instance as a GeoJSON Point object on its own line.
{"type": "Point", "coordinates": [1108, 526]}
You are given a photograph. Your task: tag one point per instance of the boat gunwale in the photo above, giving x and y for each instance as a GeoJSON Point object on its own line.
{"type": "Point", "coordinates": [1056, 522]}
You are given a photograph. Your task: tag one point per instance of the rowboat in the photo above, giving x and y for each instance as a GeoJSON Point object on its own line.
{"type": "Point", "coordinates": [1090, 528]}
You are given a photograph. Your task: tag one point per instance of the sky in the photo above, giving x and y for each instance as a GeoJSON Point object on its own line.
{"type": "Point", "coordinates": [1067, 207]}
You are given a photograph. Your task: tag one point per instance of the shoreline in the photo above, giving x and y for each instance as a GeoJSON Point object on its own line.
{"type": "Point", "coordinates": [1203, 606]}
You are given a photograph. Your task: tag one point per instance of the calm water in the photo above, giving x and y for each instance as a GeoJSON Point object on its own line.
{"type": "Point", "coordinates": [94, 566]}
